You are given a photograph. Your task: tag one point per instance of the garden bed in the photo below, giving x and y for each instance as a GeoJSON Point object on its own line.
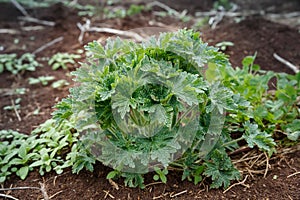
{"type": "Point", "coordinates": [275, 178]}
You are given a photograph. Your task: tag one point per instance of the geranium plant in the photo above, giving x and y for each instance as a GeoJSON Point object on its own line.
{"type": "Point", "coordinates": [149, 105]}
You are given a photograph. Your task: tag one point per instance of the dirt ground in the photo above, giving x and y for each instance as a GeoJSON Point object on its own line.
{"type": "Point", "coordinates": [252, 34]}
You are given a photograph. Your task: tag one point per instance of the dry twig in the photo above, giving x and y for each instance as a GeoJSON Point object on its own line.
{"type": "Point", "coordinates": [239, 183]}
{"type": "Point", "coordinates": [55, 194]}
{"type": "Point", "coordinates": [287, 63]}
{"type": "Point", "coordinates": [48, 44]}
{"type": "Point", "coordinates": [8, 196]}
{"type": "Point", "coordinates": [16, 111]}
{"type": "Point", "coordinates": [177, 194]}
{"type": "Point", "coordinates": [214, 21]}
{"type": "Point", "coordinates": [9, 31]}
{"type": "Point", "coordinates": [163, 194]}
{"type": "Point", "coordinates": [28, 18]}
{"type": "Point", "coordinates": [32, 28]}
{"type": "Point", "coordinates": [20, 188]}
{"type": "Point", "coordinates": [88, 28]}
{"type": "Point", "coordinates": [37, 21]}
{"type": "Point", "coordinates": [216, 16]}
{"type": "Point", "coordinates": [107, 194]}
{"type": "Point", "coordinates": [283, 15]}
{"type": "Point", "coordinates": [247, 157]}
{"type": "Point", "coordinates": [160, 196]}
{"type": "Point", "coordinates": [240, 150]}
{"type": "Point", "coordinates": [170, 11]}
{"type": "Point", "coordinates": [134, 35]}
{"type": "Point", "coordinates": [165, 7]}
{"type": "Point", "coordinates": [288, 163]}
{"type": "Point", "coordinates": [249, 162]}
{"type": "Point", "coordinates": [44, 192]}
{"type": "Point", "coordinates": [267, 165]}
{"type": "Point", "coordinates": [42, 189]}
{"type": "Point", "coordinates": [293, 174]}
{"type": "Point", "coordinates": [153, 183]}
{"type": "Point", "coordinates": [255, 160]}
{"type": "Point", "coordinates": [83, 28]}
{"type": "Point", "coordinates": [113, 184]}
{"type": "Point", "coordinates": [20, 8]}
{"type": "Point", "coordinates": [248, 13]}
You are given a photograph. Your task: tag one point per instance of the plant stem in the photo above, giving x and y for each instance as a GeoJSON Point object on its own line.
{"type": "Point", "coordinates": [177, 164]}
{"type": "Point", "coordinates": [232, 141]}
{"type": "Point", "coordinates": [16, 111]}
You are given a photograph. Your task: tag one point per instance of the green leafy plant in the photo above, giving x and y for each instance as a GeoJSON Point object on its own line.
{"type": "Point", "coordinates": [44, 80]}
{"type": "Point", "coordinates": [48, 148]}
{"type": "Point", "coordinates": [15, 65]}
{"type": "Point", "coordinates": [200, 22]}
{"type": "Point", "coordinates": [7, 61]}
{"type": "Point", "coordinates": [15, 106]}
{"type": "Point", "coordinates": [115, 70]}
{"type": "Point", "coordinates": [220, 169]}
{"type": "Point", "coordinates": [168, 11]}
{"type": "Point", "coordinates": [59, 84]}
{"type": "Point", "coordinates": [223, 4]}
{"type": "Point", "coordinates": [160, 174]}
{"type": "Point", "coordinates": [10, 150]}
{"type": "Point", "coordinates": [20, 91]}
{"type": "Point", "coordinates": [156, 90]}
{"type": "Point", "coordinates": [223, 45]}
{"type": "Point", "coordinates": [61, 60]}
{"type": "Point", "coordinates": [174, 63]}
{"type": "Point", "coordinates": [110, 12]}
{"type": "Point", "coordinates": [108, 9]}
{"type": "Point", "coordinates": [134, 9]}
{"type": "Point", "coordinates": [85, 10]}
{"type": "Point", "coordinates": [274, 111]}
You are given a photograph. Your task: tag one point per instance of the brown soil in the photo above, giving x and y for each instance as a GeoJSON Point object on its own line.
{"type": "Point", "coordinates": [261, 36]}
{"type": "Point", "coordinates": [254, 34]}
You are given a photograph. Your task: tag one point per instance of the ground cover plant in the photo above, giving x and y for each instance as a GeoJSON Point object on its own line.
{"type": "Point", "coordinates": [177, 115]}
{"type": "Point", "coordinates": [15, 65]}
{"type": "Point", "coordinates": [61, 60]}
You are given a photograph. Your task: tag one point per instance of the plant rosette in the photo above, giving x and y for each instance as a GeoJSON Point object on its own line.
{"type": "Point", "coordinates": [141, 106]}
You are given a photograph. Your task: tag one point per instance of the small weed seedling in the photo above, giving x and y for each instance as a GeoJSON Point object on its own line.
{"type": "Point", "coordinates": [20, 91]}
{"type": "Point", "coordinates": [59, 84]}
{"type": "Point", "coordinates": [107, 9]}
{"type": "Point", "coordinates": [160, 174]}
{"type": "Point", "coordinates": [15, 65]}
{"type": "Point", "coordinates": [44, 80]}
{"type": "Point", "coordinates": [60, 60]}
{"type": "Point", "coordinates": [7, 61]}
{"type": "Point", "coordinates": [223, 4]}
{"type": "Point", "coordinates": [15, 105]}
{"type": "Point", "coordinates": [183, 16]}
{"type": "Point", "coordinates": [123, 12]}
{"type": "Point", "coordinates": [223, 45]}
{"type": "Point", "coordinates": [43, 149]}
